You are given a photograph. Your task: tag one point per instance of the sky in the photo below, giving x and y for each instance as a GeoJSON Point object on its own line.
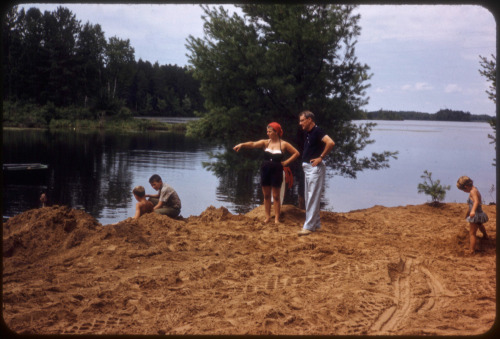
{"type": "Point", "coordinates": [423, 58]}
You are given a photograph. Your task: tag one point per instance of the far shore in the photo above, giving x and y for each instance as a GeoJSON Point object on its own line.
{"type": "Point", "coordinates": [167, 123]}
{"type": "Point", "coordinates": [136, 124]}
{"type": "Point", "coordinates": [169, 120]}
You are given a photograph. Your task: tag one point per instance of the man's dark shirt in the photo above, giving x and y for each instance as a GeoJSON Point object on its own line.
{"type": "Point", "coordinates": [313, 146]}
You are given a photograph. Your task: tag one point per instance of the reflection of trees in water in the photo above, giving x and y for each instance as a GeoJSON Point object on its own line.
{"type": "Point", "coordinates": [21, 191]}
{"type": "Point", "coordinates": [92, 170]}
{"type": "Point", "coordinates": [239, 178]}
{"type": "Point", "coordinates": [240, 188]}
{"type": "Point", "coordinates": [99, 174]}
{"type": "Point", "coordinates": [89, 171]}
{"type": "Point", "coordinates": [116, 179]}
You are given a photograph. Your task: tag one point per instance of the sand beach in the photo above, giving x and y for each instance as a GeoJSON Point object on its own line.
{"type": "Point", "coordinates": [377, 271]}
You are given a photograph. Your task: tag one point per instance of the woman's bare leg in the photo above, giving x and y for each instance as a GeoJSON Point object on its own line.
{"type": "Point", "coordinates": [266, 191]}
{"type": "Point", "coordinates": [277, 204]}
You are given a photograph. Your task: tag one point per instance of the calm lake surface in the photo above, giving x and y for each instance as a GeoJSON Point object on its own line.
{"type": "Point", "coordinates": [97, 171]}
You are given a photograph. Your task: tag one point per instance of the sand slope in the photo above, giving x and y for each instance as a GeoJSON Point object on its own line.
{"type": "Point", "coordinates": [396, 271]}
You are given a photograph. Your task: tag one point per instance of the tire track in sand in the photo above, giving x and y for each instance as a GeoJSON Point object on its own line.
{"type": "Point", "coordinates": [406, 299]}
{"type": "Point", "coordinates": [400, 277]}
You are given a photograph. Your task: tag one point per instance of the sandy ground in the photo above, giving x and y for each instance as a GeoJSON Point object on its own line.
{"type": "Point", "coordinates": [379, 271]}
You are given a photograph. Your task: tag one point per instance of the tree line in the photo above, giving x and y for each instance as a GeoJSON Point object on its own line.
{"type": "Point", "coordinates": [441, 115]}
{"type": "Point", "coordinates": [52, 59]}
{"type": "Point", "coordinates": [266, 65]}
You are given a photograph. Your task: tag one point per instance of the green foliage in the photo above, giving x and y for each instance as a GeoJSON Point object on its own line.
{"type": "Point", "coordinates": [132, 125]}
{"type": "Point", "coordinates": [493, 137]}
{"type": "Point", "coordinates": [25, 115]}
{"type": "Point", "coordinates": [276, 62]}
{"type": "Point", "coordinates": [51, 57]}
{"type": "Point", "coordinates": [450, 115]}
{"type": "Point", "coordinates": [124, 114]}
{"type": "Point", "coordinates": [434, 189]}
{"type": "Point", "coordinates": [273, 63]}
{"type": "Point", "coordinates": [48, 116]}
{"type": "Point", "coordinates": [489, 71]}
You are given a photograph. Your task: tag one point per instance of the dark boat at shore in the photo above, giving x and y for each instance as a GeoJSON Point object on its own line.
{"type": "Point", "coordinates": [22, 174]}
{"type": "Point", "coordinates": [23, 167]}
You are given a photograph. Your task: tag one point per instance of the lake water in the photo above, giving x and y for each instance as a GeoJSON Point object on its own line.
{"type": "Point", "coordinates": [97, 171]}
{"type": "Point", "coordinates": [447, 149]}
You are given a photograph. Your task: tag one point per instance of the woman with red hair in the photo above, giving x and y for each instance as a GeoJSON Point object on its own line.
{"type": "Point", "coordinates": [271, 171]}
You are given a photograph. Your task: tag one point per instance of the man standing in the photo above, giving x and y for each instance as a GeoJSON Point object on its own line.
{"type": "Point", "coordinates": [317, 145]}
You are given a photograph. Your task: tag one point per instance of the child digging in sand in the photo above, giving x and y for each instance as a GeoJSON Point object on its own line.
{"type": "Point", "coordinates": [143, 206]}
{"type": "Point", "coordinates": [475, 215]}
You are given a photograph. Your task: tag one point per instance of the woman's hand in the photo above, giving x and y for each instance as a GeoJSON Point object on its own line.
{"type": "Point", "coordinates": [237, 147]}
{"type": "Point", "coordinates": [293, 151]}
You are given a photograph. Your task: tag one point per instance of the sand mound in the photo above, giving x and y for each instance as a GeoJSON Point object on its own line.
{"type": "Point", "coordinates": [398, 271]}
{"type": "Point", "coordinates": [45, 231]}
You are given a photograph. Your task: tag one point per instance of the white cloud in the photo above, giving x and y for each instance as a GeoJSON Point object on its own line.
{"type": "Point", "coordinates": [422, 86]}
{"type": "Point", "coordinates": [418, 86]}
{"type": "Point", "coordinates": [452, 88]}
{"type": "Point", "coordinates": [420, 23]}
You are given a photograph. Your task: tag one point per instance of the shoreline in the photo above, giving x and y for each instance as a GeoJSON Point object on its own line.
{"type": "Point", "coordinates": [169, 124]}
{"type": "Point", "coordinates": [85, 126]}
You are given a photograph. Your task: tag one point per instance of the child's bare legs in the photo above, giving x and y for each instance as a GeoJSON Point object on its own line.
{"type": "Point", "coordinates": [483, 230]}
{"type": "Point", "coordinates": [473, 239]}
{"type": "Point", "coordinates": [277, 204]}
{"type": "Point", "coordinates": [266, 191]}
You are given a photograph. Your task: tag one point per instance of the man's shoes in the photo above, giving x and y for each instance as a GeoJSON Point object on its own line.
{"type": "Point", "coordinates": [304, 232]}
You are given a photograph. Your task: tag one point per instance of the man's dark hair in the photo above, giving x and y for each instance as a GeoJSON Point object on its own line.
{"type": "Point", "coordinates": [307, 115]}
{"type": "Point", "coordinates": [154, 178]}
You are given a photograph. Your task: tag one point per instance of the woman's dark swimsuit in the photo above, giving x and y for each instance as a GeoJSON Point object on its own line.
{"type": "Point", "coordinates": [271, 170]}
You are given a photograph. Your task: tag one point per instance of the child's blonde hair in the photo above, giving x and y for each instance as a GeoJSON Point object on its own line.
{"type": "Point", "coordinates": [463, 182]}
{"type": "Point", "coordinates": [139, 191]}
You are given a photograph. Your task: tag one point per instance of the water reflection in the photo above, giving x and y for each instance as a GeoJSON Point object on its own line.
{"type": "Point", "coordinates": [97, 171]}
{"type": "Point", "coordinates": [239, 189]}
